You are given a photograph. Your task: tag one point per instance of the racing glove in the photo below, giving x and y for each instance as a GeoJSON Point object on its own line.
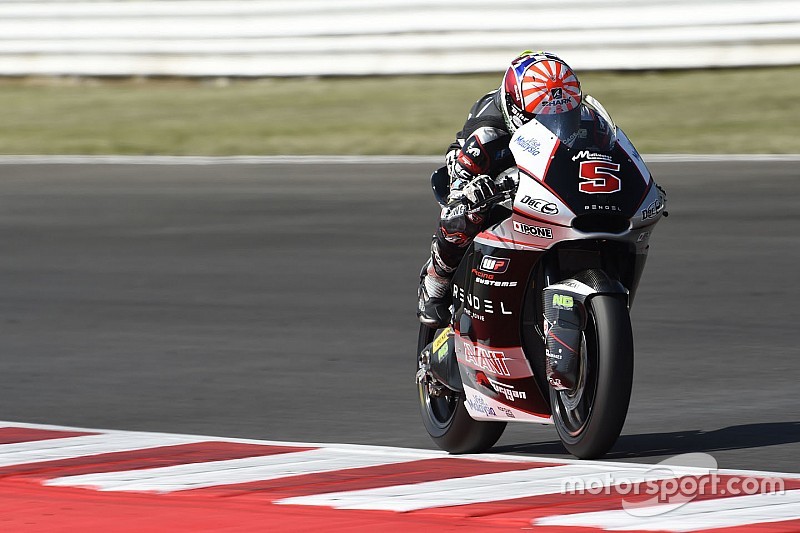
{"type": "Point", "coordinates": [450, 162]}
{"type": "Point", "coordinates": [478, 191]}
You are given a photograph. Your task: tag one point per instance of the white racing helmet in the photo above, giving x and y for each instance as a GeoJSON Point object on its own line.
{"type": "Point", "coordinates": [540, 85]}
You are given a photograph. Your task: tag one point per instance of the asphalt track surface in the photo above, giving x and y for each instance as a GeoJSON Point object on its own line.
{"type": "Point", "coordinates": [276, 301]}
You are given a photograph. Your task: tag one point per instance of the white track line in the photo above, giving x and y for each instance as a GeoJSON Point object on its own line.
{"type": "Point", "coordinates": [484, 488]}
{"type": "Point", "coordinates": [693, 516]}
{"type": "Point", "coordinates": [227, 472]}
{"type": "Point", "coordinates": [72, 447]}
{"type": "Point", "coordinates": [335, 160]}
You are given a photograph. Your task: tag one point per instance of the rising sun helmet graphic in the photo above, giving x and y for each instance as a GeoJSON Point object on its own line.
{"type": "Point", "coordinates": [542, 86]}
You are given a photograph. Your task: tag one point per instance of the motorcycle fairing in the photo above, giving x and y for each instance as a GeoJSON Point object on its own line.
{"type": "Point", "coordinates": [627, 146]}
{"type": "Point", "coordinates": [497, 362]}
{"type": "Point", "coordinates": [488, 294]}
{"type": "Point", "coordinates": [533, 147]}
{"type": "Point", "coordinates": [481, 406]}
{"type": "Point", "coordinates": [486, 300]}
{"type": "Point", "coordinates": [590, 181]}
{"type": "Point", "coordinates": [650, 211]}
{"type": "Point", "coordinates": [573, 194]}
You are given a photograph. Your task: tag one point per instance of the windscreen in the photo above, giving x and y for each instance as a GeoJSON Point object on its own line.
{"type": "Point", "coordinates": [587, 127]}
{"type": "Point", "coordinates": [564, 125]}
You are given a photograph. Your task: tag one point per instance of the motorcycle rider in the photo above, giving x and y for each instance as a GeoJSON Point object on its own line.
{"type": "Point", "coordinates": [537, 85]}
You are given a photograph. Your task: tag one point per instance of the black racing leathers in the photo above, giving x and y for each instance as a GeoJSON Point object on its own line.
{"type": "Point", "coordinates": [480, 148]}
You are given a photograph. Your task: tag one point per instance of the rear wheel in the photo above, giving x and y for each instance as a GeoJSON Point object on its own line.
{"type": "Point", "coordinates": [589, 418]}
{"type": "Point", "coordinates": [445, 416]}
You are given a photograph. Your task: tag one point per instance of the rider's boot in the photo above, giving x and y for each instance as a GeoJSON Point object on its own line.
{"type": "Point", "coordinates": [434, 291]}
{"type": "Point", "coordinates": [434, 299]}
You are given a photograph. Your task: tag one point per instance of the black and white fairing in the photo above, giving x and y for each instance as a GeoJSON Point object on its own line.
{"type": "Point", "coordinates": [573, 193]}
{"type": "Point", "coordinates": [568, 197]}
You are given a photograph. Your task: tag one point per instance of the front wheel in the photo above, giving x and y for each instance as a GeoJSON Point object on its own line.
{"type": "Point", "coordinates": [445, 416]}
{"type": "Point", "coordinates": [589, 418]}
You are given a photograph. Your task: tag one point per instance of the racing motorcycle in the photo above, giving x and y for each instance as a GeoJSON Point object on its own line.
{"type": "Point", "coordinates": [540, 329]}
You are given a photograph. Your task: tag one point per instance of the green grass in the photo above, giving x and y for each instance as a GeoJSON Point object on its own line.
{"type": "Point", "coordinates": [721, 111]}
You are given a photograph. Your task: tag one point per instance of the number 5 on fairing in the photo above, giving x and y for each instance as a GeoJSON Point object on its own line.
{"type": "Point", "coordinates": [600, 176]}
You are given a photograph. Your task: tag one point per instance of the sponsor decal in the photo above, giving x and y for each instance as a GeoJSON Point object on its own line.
{"type": "Point", "coordinates": [643, 236]}
{"type": "Point", "coordinates": [500, 154]}
{"type": "Point", "coordinates": [454, 211]}
{"type": "Point", "coordinates": [600, 177]}
{"type": "Point", "coordinates": [477, 403]}
{"type": "Point", "coordinates": [507, 390]}
{"type": "Point", "coordinates": [536, 231]}
{"type": "Point", "coordinates": [441, 339]}
{"type": "Point", "coordinates": [442, 353]}
{"type": "Point", "coordinates": [653, 209]}
{"type": "Point", "coordinates": [474, 304]}
{"type": "Point", "coordinates": [472, 314]}
{"type": "Point", "coordinates": [556, 93]}
{"type": "Point", "coordinates": [458, 238]}
{"type": "Point", "coordinates": [542, 206]}
{"type": "Point", "coordinates": [518, 118]}
{"type": "Point", "coordinates": [489, 268]}
{"type": "Point", "coordinates": [563, 301]}
{"type": "Point", "coordinates": [595, 207]}
{"type": "Point", "coordinates": [532, 146]}
{"type": "Point", "coordinates": [494, 283]}
{"type": "Point", "coordinates": [571, 139]}
{"type": "Point", "coordinates": [496, 265]}
{"type": "Point", "coordinates": [493, 361]}
{"type": "Point", "coordinates": [506, 411]}
{"type": "Point", "coordinates": [558, 104]}
{"type": "Point", "coordinates": [586, 154]}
